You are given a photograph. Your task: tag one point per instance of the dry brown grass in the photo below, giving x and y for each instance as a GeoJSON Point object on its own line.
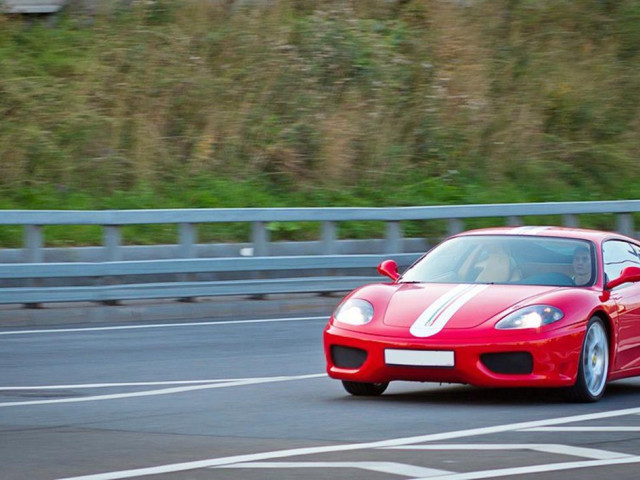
{"type": "Point", "coordinates": [318, 92]}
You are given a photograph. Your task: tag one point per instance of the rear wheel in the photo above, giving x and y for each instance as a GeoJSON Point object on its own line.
{"type": "Point", "coordinates": [365, 389]}
{"type": "Point", "coordinates": [594, 363]}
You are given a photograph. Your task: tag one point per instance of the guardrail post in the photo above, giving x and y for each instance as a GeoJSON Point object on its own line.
{"type": "Point", "coordinates": [329, 247]}
{"type": "Point", "coordinates": [33, 244]}
{"type": "Point", "coordinates": [33, 253]}
{"type": "Point", "coordinates": [570, 221]}
{"type": "Point", "coordinates": [188, 239]}
{"type": "Point", "coordinates": [514, 221]}
{"type": "Point", "coordinates": [112, 252]}
{"type": "Point", "coordinates": [393, 242]}
{"type": "Point", "coordinates": [260, 239]}
{"type": "Point", "coordinates": [624, 224]}
{"type": "Point", "coordinates": [112, 240]}
{"type": "Point", "coordinates": [454, 226]}
{"type": "Point", "coordinates": [329, 237]}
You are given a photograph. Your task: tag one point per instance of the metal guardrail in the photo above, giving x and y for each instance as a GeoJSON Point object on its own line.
{"type": "Point", "coordinates": [31, 6]}
{"type": "Point", "coordinates": [155, 267]}
{"type": "Point", "coordinates": [187, 289]}
{"type": "Point", "coordinates": [33, 267]}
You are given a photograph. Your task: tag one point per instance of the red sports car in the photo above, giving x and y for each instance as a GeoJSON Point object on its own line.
{"type": "Point", "coordinates": [503, 307]}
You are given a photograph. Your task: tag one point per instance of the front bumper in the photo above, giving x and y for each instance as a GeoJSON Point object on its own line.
{"type": "Point", "coordinates": [555, 356]}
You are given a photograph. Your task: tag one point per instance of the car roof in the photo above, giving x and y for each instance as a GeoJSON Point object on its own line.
{"type": "Point", "coordinates": [597, 236]}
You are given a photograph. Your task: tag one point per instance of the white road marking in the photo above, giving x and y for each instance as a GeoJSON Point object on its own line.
{"type": "Point", "coordinates": [213, 462]}
{"type": "Point", "coordinates": [582, 429]}
{"type": "Point", "coordinates": [164, 391]}
{"type": "Point", "coordinates": [392, 468]}
{"type": "Point", "coordinates": [130, 384]}
{"type": "Point", "coordinates": [549, 467]}
{"type": "Point", "coordinates": [554, 448]}
{"type": "Point", "coordinates": [163, 325]}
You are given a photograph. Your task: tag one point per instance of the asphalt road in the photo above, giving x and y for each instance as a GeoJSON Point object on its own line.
{"type": "Point", "coordinates": [249, 400]}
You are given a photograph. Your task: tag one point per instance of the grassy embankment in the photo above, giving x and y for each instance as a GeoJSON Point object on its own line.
{"type": "Point", "coordinates": [336, 103]}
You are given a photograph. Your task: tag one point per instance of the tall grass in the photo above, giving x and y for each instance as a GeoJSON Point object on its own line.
{"type": "Point", "coordinates": [206, 103]}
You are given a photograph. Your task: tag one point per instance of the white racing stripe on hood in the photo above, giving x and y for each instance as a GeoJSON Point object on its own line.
{"type": "Point", "coordinates": [436, 316]}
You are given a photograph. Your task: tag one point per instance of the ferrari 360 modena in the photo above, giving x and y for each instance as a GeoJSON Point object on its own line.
{"type": "Point", "coordinates": [503, 307]}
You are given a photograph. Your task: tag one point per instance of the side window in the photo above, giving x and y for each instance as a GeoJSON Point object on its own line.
{"type": "Point", "coordinates": [618, 255]}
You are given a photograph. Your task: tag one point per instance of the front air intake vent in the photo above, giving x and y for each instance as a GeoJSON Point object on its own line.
{"type": "Point", "coordinates": [347, 357]}
{"type": "Point", "coordinates": [510, 363]}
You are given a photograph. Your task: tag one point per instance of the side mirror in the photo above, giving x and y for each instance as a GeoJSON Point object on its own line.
{"type": "Point", "coordinates": [389, 268]}
{"type": "Point", "coordinates": [629, 274]}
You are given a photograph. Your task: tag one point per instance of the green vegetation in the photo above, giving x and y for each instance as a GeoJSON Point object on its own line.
{"type": "Point", "coordinates": [205, 103]}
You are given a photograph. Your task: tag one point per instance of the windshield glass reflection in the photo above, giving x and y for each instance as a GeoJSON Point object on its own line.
{"type": "Point", "coordinates": [506, 259]}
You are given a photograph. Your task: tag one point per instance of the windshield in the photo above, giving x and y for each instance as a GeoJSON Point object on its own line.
{"type": "Point", "coordinates": [507, 260]}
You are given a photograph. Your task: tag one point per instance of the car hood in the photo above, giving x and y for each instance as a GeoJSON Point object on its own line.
{"type": "Point", "coordinates": [427, 309]}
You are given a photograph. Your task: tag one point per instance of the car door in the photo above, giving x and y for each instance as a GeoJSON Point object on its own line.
{"type": "Point", "coordinates": [617, 255]}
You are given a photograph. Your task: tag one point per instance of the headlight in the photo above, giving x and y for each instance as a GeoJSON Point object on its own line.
{"type": "Point", "coordinates": [531, 317]}
{"type": "Point", "coordinates": [354, 312]}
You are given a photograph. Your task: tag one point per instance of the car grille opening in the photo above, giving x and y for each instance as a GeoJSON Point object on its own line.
{"type": "Point", "coordinates": [510, 363]}
{"type": "Point", "coordinates": [347, 357]}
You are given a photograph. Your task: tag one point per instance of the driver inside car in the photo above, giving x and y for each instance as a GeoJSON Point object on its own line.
{"type": "Point", "coordinates": [581, 266]}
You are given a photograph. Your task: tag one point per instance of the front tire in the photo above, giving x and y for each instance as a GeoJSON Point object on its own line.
{"type": "Point", "coordinates": [365, 389]}
{"type": "Point", "coordinates": [594, 364]}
